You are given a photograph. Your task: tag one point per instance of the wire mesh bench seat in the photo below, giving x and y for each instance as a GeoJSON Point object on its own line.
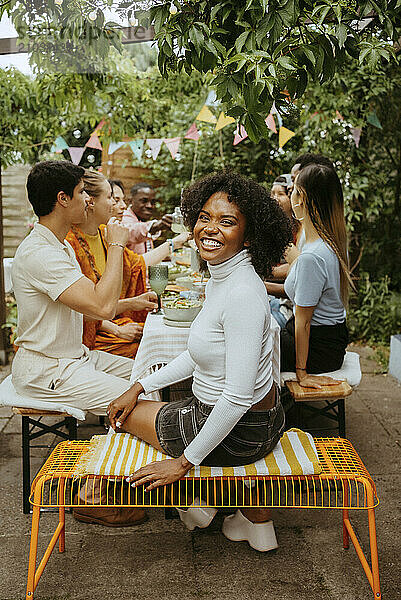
{"type": "Point", "coordinates": [344, 484]}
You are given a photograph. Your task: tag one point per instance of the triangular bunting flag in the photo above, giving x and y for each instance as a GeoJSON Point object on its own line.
{"type": "Point", "coordinates": [100, 125]}
{"type": "Point", "coordinates": [206, 115]}
{"type": "Point", "coordinates": [284, 135]}
{"type": "Point", "coordinates": [137, 148]}
{"type": "Point", "coordinates": [356, 135]}
{"type": "Point", "coordinates": [113, 146]}
{"type": "Point", "coordinates": [192, 133]}
{"type": "Point", "coordinates": [211, 99]}
{"type": "Point", "coordinates": [76, 154]}
{"type": "Point", "coordinates": [94, 142]}
{"type": "Point", "coordinates": [223, 121]}
{"type": "Point", "coordinates": [240, 135]}
{"type": "Point", "coordinates": [270, 122]}
{"type": "Point", "coordinates": [339, 116]}
{"type": "Point", "coordinates": [373, 120]}
{"type": "Point", "coordinates": [155, 145]}
{"type": "Point", "coordinates": [173, 144]}
{"type": "Point", "coordinates": [59, 145]}
{"type": "Point", "coordinates": [274, 111]}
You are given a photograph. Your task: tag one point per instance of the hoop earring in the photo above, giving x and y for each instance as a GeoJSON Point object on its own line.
{"type": "Point", "coordinates": [294, 215]}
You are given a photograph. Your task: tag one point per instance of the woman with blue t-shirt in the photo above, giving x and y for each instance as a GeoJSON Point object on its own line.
{"type": "Point", "coordinates": [315, 339]}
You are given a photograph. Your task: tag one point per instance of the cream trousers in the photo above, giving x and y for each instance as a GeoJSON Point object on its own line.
{"type": "Point", "coordinates": [89, 383]}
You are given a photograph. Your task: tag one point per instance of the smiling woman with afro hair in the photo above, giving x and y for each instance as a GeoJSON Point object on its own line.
{"type": "Point", "coordinates": [234, 416]}
{"type": "Point", "coordinates": [268, 230]}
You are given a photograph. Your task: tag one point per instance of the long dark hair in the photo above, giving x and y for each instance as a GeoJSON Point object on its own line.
{"type": "Point", "coordinates": [320, 189]}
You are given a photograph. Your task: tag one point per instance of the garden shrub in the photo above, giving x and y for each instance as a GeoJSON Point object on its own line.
{"type": "Point", "coordinates": [375, 311]}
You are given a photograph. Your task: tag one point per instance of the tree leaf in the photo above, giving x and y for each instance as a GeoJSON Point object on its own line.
{"type": "Point", "coordinates": [341, 33]}
{"type": "Point", "coordinates": [240, 41]}
{"type": "Point", "coordinates": [309, 54]}
{"type": "Point", "coordinates": [286, 63]}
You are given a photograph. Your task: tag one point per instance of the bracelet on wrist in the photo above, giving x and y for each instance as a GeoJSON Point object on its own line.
{"type": "Point", "coordinates": [116, 244]}
{"type": "Point", "coordinates": [300, 369]}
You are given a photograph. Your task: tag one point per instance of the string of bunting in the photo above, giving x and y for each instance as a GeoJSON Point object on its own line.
{"type": "Point", "coordinates": [204, 115]}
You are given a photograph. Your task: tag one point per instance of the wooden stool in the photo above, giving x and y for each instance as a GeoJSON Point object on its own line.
{"type": "Point", "coordinates": [333, 395]}
{"type": "Point", "coordinates": [344, 484]}
{"type": "Point", "coordinates": [33, 428]}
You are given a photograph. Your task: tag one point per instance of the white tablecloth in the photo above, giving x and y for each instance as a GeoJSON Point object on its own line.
{"type": "Point", "coordinates": [161, 343]}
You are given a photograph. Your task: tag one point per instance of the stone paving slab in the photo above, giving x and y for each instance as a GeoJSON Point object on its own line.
{"type": "Point", "coordinates": [162, 560]}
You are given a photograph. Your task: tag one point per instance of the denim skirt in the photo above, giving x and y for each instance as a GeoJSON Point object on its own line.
{"type": "Point", "coordinates": [254, 436]}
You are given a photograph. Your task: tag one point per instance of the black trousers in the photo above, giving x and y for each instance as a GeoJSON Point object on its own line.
{"type": "Point", "coordinates": [327, 344]}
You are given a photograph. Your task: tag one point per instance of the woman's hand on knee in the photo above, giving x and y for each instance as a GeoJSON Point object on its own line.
{"type": "Point", "coordinates": [160, 473]}
{"type": "Point", "coordinates": [119, 409]}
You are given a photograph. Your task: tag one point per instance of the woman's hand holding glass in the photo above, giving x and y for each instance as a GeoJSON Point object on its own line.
{"type": "Point", "coordinates": [146, 301]}
{"type": "Point", "coordinates": [116, 233]}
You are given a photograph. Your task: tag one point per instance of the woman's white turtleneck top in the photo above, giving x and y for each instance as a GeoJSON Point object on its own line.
{"type": "Point", "coordinates": [229, 352]}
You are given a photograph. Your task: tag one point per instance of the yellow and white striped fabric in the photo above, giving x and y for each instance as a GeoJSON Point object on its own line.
{"type": "Point", "coordinates": [122, 454]}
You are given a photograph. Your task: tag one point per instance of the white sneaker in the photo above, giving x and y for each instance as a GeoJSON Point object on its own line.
{"type": "Point", "coordinates": [260, 536]}
{"type": "Point", "coordinates": [197, 515]}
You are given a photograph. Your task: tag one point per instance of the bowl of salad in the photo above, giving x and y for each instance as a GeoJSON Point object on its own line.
{"type": "Point", "coordinates": [177, 271]}
{"type": "Point", "coordinates": [192, 280]}
{"type": "Point", "coordinates": [181, 309]}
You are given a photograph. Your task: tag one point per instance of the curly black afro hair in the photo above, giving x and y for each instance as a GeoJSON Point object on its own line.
{"type": "Point", "coordinates": [268, 229]}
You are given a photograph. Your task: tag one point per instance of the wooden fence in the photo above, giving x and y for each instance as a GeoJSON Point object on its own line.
{"type": "Point", "coordinates": [17, 212]}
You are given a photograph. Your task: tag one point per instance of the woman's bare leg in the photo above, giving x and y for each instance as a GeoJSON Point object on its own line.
{"type": "Point", "coordinates": [141, 422]}
{"type": "Point", "coordinates": [257, 515]}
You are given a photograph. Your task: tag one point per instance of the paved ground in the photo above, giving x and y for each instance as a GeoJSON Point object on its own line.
{"type": "Point", "coordinates": [162, 560]}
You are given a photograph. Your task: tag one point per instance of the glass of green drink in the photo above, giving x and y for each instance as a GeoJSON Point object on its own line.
{"type": "Point", "coordinates": [158, 279]}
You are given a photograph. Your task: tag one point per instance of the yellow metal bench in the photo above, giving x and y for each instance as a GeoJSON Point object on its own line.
{"type": "Point", "coordinates": [344, 484]}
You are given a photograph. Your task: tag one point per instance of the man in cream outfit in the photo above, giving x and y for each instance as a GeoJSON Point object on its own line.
{"type": "Point", "coordinates": [53, 296]}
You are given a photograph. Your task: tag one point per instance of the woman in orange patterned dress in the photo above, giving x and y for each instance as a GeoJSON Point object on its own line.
{"type": "Point", "coordinates": [122, 334]}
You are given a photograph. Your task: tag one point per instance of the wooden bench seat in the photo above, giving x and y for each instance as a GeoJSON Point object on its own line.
{"type": "Point", "coordinates": [334, 408]}
{"type": "Point", "coordinates": [33, 428]}
{"type": "Point", "coordinates": [333, 396]}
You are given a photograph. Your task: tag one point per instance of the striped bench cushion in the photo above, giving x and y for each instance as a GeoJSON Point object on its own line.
{"type": "Point", "coordinates": [121, 454]}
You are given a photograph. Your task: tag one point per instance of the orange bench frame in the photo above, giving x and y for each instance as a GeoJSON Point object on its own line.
{"type": "Point", "coordinates": [344, 484]}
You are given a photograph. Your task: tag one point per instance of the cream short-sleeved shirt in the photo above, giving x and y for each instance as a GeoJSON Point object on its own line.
{"type": "Point", "coordinates": [43, 268]}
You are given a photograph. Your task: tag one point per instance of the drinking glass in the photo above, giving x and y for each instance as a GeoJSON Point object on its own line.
{"type": "Point", "coordinates": [158, 279]}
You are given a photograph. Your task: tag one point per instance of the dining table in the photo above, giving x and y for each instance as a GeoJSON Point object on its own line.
{"type": "Point", "coordinates": [161, 343]}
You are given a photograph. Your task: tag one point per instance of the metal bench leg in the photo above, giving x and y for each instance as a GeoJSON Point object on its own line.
{"type": "Point", "coordinates": [166, 394]}
{"type": "Point", "coordinates": [345, 516]}
{"type": "Point", "coordinates": [26, 466]}
{"type": "Point", "coordinates": [341, 417]}
{"type": "Point", "coordinates": [33, 553]}
{"type": "Point", "coordinates": [299, 415]}
{"type": "Point", "coordinates": [373, 546]}
{"type": "Point", "coordinates": [71, 424]}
